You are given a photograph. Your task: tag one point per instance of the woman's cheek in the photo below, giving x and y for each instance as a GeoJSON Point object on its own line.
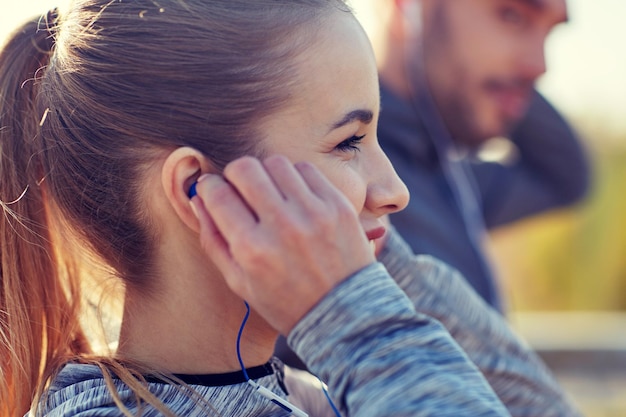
{"type": "Point", "coordinates": [356, 192]}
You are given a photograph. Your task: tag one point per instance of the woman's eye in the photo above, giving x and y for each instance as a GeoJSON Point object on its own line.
{"type": "Point", "coordinates": [350, 144]}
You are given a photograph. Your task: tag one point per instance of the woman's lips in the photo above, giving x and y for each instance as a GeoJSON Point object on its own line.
{"type": "Point", "coordinates": [376, 233]}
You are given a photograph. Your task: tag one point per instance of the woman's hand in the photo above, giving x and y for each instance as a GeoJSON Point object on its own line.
{"type": "Point", "coordinates": [282, 235]}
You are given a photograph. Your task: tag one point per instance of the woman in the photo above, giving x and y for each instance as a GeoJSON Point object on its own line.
{"type": "Point", "coordinates": [110, 116]}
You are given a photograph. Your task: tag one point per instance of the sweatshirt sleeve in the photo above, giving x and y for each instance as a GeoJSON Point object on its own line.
{"type": "Point", "coordinates": [380, 357]}
{"type": "Point", "coordinates": [516, 374]}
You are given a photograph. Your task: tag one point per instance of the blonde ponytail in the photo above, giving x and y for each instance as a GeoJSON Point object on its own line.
{"type": "Point", "coordinates": [39, 298]}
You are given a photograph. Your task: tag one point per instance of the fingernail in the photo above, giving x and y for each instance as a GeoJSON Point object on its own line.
{"type": "Point", "coordinates": [203, 177]}
{"type": "Point", "coordinates": [194, 208]}
{"type": "Point", "coordinates": [192, 190]}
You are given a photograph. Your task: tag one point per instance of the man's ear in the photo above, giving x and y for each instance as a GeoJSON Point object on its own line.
{"type": "Point", "coordinates": [180, 170]}
{"type": "Point", "coordinates": [411, 21]}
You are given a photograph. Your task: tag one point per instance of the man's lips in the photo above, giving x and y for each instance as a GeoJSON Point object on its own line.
{"type": "Point", "coordinates": [512, 97]}
{"type": "Point", "coordinates": [512, 102]}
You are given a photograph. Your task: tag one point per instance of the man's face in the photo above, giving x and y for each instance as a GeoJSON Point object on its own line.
{"type": "Point", "coordinates": [482, 58]}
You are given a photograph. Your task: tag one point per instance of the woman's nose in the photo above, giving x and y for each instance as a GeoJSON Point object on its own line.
{"type": "Point", "coordinates": [386, 192]}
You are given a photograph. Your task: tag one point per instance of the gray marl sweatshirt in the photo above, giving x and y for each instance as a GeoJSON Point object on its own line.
{"type": "Point", "coordinates": [382, 351]}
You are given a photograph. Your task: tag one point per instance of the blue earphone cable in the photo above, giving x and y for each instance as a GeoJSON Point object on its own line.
{"type": "Point", "coordinates": [243, 324]}
{"type": "Point", "coordinates": [245, 373]}
{"type": "Point", "coordinates": [330, 401]}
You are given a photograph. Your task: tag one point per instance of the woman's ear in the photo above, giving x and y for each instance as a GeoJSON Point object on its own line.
{"type": "Point", "coordinates": [180, 170]}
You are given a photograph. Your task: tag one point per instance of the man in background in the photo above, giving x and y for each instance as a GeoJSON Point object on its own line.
{"type": "Point", "coordinates": [454, 74]}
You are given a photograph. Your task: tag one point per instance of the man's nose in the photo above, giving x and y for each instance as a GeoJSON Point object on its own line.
{"type": "Point", "coordinates": [533, 60]}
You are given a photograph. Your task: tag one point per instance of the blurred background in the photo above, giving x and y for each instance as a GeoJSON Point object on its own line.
{"type": "Point", "coordinates": [563, 273]}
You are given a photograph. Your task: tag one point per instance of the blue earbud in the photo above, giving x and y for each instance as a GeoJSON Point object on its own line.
{"type": "Point", "coordinates": [192, 191]}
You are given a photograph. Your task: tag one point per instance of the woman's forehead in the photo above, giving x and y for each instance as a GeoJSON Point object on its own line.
{"type": "Point", "coordinates": [337, 71]}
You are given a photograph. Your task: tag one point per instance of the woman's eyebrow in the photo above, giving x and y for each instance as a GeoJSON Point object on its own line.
{"type": "Point", "coordinates": [361, 115]}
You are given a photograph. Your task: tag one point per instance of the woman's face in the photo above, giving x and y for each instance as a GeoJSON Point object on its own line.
{"type": "Point", "coordinates": [331, 122]}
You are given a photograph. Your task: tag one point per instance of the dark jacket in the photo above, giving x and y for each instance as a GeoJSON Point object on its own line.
{"type": "Point", "coordinates": [551, 170]}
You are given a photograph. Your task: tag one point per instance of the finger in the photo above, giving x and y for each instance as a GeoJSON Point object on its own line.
{"type": "Point", "coordinates": [287, 178]}
{"type": "Point", "coordinates": [214, 244]}
{"type": "Point", "coordinates": [210, 237]}
{"type": "Point", "coordinates": [250, 178]}
{"type": "Point", "coordinates": [229, 212]}
{"type": "Point", "coordinates": [319, 184]}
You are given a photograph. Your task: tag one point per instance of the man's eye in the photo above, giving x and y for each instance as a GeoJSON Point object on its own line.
{"type": "Point", "coordinates": [350, 144]}
{"type": "Point", "coordinates": [511, 15]}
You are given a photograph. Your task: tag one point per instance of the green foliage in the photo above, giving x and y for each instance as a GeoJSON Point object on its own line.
{"type": "Point", "coordinates": [573, 259]}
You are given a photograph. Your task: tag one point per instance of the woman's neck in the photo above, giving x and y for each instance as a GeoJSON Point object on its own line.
{"type": "Point", "coordinates": [189, 324]}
